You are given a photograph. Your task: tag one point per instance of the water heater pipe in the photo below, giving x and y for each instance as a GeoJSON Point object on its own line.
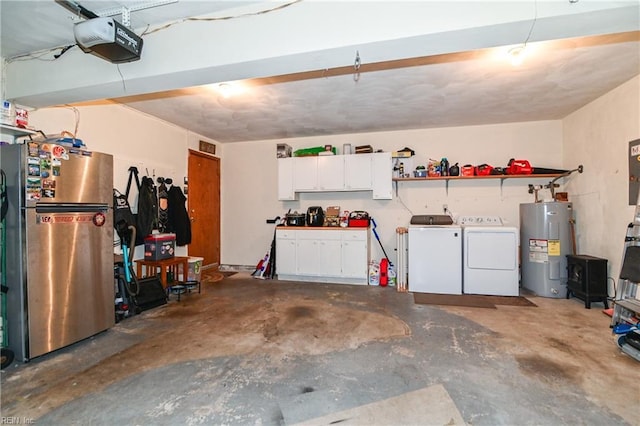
{"type": "Point", "coordinates": [552, 185]}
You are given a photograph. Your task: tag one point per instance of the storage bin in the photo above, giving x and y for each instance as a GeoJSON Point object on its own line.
{"type": "Point", "coordinates": [159, 246]}
{"type": "Point", "coordinates": [358, 223]}
{"type": "Point", "coordinates": [195, 269]}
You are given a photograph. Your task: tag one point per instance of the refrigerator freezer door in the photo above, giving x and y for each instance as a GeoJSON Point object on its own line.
{"type": "Point", "coordinates": [86, 178]}
{"type": "Point", "coordinates": [70, 289]}
{"type": "Point", "coordinates": [435, 259]}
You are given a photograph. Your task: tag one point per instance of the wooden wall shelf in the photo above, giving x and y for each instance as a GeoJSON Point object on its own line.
{"type": "Point", "coordinates": [450, 178]}
{"type": "Point", "coordinates": [532, 176]}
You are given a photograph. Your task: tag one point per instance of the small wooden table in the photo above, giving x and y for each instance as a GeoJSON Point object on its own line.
{"type": "Point", "coordinates": [166, 265]}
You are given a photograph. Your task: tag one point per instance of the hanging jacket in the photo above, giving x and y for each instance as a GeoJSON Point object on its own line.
{"type": "Point", "coordinates": [147, 209]}
{"type": "Point", "coordinates": [163, 206]}
{"type": "Point", "coordinates": [178, 219]}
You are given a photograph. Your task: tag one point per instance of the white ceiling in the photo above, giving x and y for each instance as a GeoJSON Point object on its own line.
{"type": "Point", "coordinates": [553, 82]}
{"type": "Point", "coordinates": [468, 88]}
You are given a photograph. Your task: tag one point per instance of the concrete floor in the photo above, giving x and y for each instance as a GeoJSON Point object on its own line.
{"type": "Point", "coordinates": [262, 352]}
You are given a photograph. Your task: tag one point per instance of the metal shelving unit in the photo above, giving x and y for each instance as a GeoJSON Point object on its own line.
{"type": "Point", "coordinates": [626, 305]}
{"type": "Point", "coordinates": [15, 131]}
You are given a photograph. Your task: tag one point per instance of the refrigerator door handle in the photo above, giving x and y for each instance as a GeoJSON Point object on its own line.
{"type": "Point", "coordinates": [71, 208]}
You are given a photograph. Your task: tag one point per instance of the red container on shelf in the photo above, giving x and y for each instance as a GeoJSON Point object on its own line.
{"type": "Point", "coordinates": [519, 167]}
{"type": "Point", "coordinates": [466, 170]}
{"type": "Point", "coordinates": [483, 170]}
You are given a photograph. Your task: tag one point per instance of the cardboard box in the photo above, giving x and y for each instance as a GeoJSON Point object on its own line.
{"type": "Point", "coordinates": [283, 151]}
{"type": "Point", "coordinates": [159, 246]}
{"type": "Point", "coordinates": [332, 216]}
{"type": "Point", "coordinates": [401, 154]}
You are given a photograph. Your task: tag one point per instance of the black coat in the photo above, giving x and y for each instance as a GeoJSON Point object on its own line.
{"type": "Point", "coordinates": [147, 218]}
{"type": "Point", "coordinates": [178, 219]}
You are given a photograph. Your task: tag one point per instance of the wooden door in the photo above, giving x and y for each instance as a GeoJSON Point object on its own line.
{"type": "Point", "coordinates": [204, 207]}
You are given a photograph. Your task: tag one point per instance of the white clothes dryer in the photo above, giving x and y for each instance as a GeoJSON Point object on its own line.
{"type": "Point", "coordinates": [490, 257]}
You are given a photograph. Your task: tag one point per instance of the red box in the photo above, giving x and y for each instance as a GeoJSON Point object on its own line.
{"type": "Point", "coordinates": [159, 246]}
{"type": "Point", "coordinates": [358, 223]}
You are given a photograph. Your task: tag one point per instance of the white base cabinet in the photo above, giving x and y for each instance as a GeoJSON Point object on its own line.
{"type": "Point", "coordinates": [333, 255]}
{"type": "Point", "coordinates": [286, 252]}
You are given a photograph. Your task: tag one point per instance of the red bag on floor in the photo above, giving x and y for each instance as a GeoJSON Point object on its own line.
{"type": "Point", "coordinates": [384, 272]}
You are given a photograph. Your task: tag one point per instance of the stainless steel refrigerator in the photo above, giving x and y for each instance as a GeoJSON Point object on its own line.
{"type": "Point", "coordinates": [59, 246]}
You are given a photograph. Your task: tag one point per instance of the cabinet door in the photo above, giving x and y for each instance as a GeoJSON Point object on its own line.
{"type": "Point", "coordinates": [285, 179]}
{"type": "Point", "coordinates": [382, 176]}
{"type": "Point", "coordinates": [305, 173]}
{"type": "Point", "coordinates": [355, 254]}
{"type": "Point", "coordinates": [331, 173]}
{"type": "Point", "coordinates": [357, 172]}
{"type": "Point", "coordinates": [307, 256]}
{"type": "Point", "coordinates": [285, 252]}
{"type": "Point", "coordinates": [329, 256]}
{"type": "Point", "coordinates": [318, 253]}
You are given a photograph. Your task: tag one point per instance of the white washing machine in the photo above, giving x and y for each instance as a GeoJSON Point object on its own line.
{"type": "Point", "coordinates": [435, 259]}
{"type": "Point", "coordinates": [490, 256]}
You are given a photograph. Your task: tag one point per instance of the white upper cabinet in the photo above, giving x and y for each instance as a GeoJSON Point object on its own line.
{"type": "Point", "coordinates": [330, 173]}
{"type": "Point", "coordinates": [305, 174]}
{"type": "Point", "coordinates": [382, 176]}
{"type": "Point", "coordinates": [357, 172]}
{"type": "Point", "coordinates": [285, 179]}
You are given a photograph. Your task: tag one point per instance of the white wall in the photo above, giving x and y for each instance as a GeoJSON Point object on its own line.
{"type": "Point", "coordinates": [250, 181]}
{"type": "Point", "coordinates": [134, 139]}
{"type": "Point", "coordinates": [598, 136]}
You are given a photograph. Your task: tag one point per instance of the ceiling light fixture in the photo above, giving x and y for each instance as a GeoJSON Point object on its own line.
{"type": "Point", "coordinates": [518, 53]}
{"type": "Point", "coordinates": [228, 90]}
{"type": "Point", "coordinates": [225, 90]}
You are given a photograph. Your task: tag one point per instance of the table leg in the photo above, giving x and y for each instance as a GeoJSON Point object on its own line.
{"type": "Point", "coordinates": [163, 277]}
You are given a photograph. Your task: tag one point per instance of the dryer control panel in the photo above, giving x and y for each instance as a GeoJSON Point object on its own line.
{"type": "Point", "coordinates": [480, 221]}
